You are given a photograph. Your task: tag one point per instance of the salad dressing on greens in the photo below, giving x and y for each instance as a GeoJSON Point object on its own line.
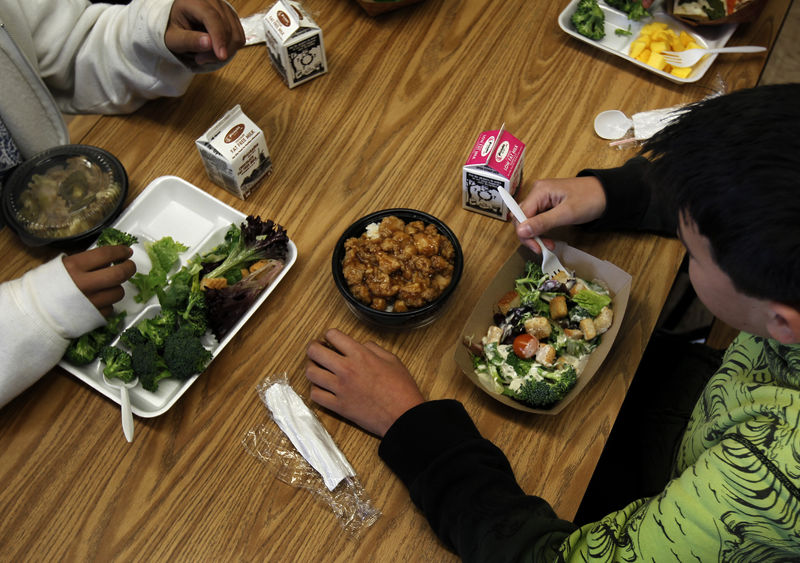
{"type": "Point", "coordinates": [542, 336]}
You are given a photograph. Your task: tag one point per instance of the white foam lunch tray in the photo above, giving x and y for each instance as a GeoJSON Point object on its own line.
{"type": "Point", "coordinates": [708, 36]}
{"type": "Point", "coordinates": [170, 206]}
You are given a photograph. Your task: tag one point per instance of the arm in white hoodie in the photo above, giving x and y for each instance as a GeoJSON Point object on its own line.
{"type": "Point", "coordinates": [40, 313]}
{"type": "Point", "coordinates": [101, 58]}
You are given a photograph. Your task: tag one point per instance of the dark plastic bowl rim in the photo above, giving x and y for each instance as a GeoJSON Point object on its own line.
{"type": "Point", "coordinates": [13, 185]}
{"type": "Point", "coordinates": [357, 229]}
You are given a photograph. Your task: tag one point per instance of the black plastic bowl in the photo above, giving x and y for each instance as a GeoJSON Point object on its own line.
{"type": "Point", "coordinates": [80, 216]}
{"type": "Point", "coordinates": [413, 318]}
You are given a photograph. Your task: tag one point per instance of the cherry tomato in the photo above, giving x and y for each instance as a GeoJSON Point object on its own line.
{"type": "Point", "coordinates": [525, 346]}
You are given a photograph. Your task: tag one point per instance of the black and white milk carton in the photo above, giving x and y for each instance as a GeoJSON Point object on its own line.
{"type": "Point", "coordinates": [495, 162]}
{"type": "Point", "coordinates": [294, 42]}
{"type": "Point", "coordinates": [235, 153]}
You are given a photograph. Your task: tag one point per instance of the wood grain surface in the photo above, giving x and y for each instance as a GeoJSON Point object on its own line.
{"type": "Point", "coordinates": [390, 125]}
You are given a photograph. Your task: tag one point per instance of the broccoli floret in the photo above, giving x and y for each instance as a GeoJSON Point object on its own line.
{"type": "Point", "coordinates": [111, 236]}
{"type": "Point", "coordinates": [86, 347]}
{"type": "Point", "coordinates": [149, 366]}
{"type": "Point", "coordinates": [186, 298]}
{"type": "Point", "coordinates": [633, 8]}
{"type": "Point", "coordinates": [114, 324]}
{"type": "Point", "coordinates": [159, 327]}
{"type": "Point", "coordinates": [184, 354]}
{"type": "Point", "coordinates": [589, 19]}
{"type": "Point", "coordinates": [132, 337]}
{"type": "Point", "coordinates": [118, 364]}
{"type": "Point", "coordinates": [546, 392]}
{"type": "Point", "coordinates": [195, 316]}
{"type": "Point", "coordinates": [638, 12]}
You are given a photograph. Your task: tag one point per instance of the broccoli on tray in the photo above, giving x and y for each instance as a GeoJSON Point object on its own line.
{"type": "Point", "coordinates": [589, 19]}
{"type": "Point", "coordinates": [172, 344]}
{"type": "Point", "coordinates": [118, 364]}
{"type": "Point", "coordinates": [111, 236]}
{"type": "Point", "coordinates": [86, 348]}
{"type": "Point", "coordinates": [149, 366]}
{"type": "Point", "coordinates": [633, 8]}
{"type": "Point", "coordinates": [184, 354]}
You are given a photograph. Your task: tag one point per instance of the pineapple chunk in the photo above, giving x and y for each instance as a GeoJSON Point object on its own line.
{"type": "Point", "coordinates": [681, 72]}
{"type": "Point", "coordinates": [658, 46]}
{"type": "Point", "coordinates": [656, 60]}
{"type": "Point", "coordinates": [637, 47]}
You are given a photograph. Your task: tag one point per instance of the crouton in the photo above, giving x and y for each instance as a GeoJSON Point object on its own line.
{"type": "Point", "coordinates": [558, 307]}
{"type": "Point", "coordinates": [589, 331]}
{"type": "Point", "coordinates": [573, 333]}
{"type": "Point", "coordinates": [493, 335]}
{"type": "Point", "coordinates": [561, 276]}
{"type": "Point", "coordinates": [603, 320]}
{"type": "Point", "coordinates": [546, 354]}
{"type": "Point", "coordinates": [508, 302]}
{"type": "Point", "coordinates": [538, 327]}
{"type": "Point", "coordinates": [576, 287]}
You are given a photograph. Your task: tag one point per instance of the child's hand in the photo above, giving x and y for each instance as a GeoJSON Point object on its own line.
{"type": "Point", "coordinates": [560, 202]}
{"type": "Point", "coordinates": [361, 382]}
{"type": "Point", "coordinates": [99, 274]}
{"type": "Point", "coordinates": [207, 31]}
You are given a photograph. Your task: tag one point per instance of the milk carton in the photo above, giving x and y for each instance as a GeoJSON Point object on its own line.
{"type": "Point", "coordinates": [495, 162]}
{"type": "Point", "coordinates": [235, 153]}
{"type": "Point", "coordinates": [294, 42]}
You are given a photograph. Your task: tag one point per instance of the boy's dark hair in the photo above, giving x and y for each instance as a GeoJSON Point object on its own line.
{"type": "Point", "coordinates": [732, 164]}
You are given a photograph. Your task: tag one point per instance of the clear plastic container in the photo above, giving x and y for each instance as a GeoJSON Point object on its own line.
{"type": "Point", "coordinates": [63, 195]}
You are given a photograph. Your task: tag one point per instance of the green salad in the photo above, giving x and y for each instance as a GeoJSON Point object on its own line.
{"type": "Point", "coordinates": [542, 335]}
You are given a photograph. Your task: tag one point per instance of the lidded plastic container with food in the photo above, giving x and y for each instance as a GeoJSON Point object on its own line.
{"type": "Point", "coordinates": [64, 195]}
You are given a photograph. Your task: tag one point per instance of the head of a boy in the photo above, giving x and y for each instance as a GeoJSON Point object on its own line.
{"type": "Point", "coordinates": [731, 165]}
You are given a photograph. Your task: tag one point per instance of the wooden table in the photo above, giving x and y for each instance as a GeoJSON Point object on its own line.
{"type": "Point", "coordinates": [390, 125]}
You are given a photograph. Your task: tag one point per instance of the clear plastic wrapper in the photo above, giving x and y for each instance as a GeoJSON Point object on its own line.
{"type": "Point", "coordinates": [645, 124]}
{"type": "Point", "coordinates": [253, 27]}
{"type": "Point", "coordinates": [293, 428]}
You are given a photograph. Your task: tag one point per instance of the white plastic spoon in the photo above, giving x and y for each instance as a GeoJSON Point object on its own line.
{"type": "Point", "coordinates": [125, 404]}
{"type": "Point", "coordinates": [612, 124]}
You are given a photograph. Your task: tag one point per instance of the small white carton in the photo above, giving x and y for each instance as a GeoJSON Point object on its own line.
{"type": "Point", "coordinates": [495, 162]}
{"type": "Point", "coordinates": [235, 153]}
{"type": "Point", "coordinates": [294, 43]}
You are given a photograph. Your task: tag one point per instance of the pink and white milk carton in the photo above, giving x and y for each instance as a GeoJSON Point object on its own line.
{"type": "Point", "coordinates": [495, 162]}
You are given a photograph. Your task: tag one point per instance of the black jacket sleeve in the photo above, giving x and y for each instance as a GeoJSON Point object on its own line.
{"type": "Point", "coordinates": [466, 489]}
{"type": "Point", "coordinates": [632, 202]}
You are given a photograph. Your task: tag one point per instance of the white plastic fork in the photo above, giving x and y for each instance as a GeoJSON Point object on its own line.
{"type": "Point", "coordinates": [551, 265]}
{"type": "Point", "coordinates": [689, 57]}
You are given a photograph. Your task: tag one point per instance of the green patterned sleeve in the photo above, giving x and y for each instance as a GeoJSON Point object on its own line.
{"type": "Point", "coordinates": [732, 504]}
